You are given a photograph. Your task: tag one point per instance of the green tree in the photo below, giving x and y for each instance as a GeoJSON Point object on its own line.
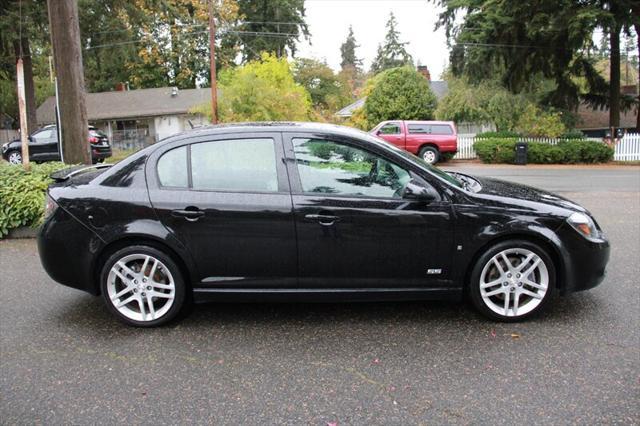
{"type": "Point", "coordinates": [399, 94]}
{"type": "Point", "coordinates": [392, 53]}
{"type": "Point", "coordinates": [537, 123]}
{"type": "Point", "coordinates": [261, 90]}
{"type": "Point", "coordinates": [328, 92]}
{"type": "Point", "coordinates": [485, 102]}
{"type": "Point", "coordinates": [273, 26]}
{"type": "Point", "coordinates": [522, 40]}
{"type": "Point", "coordinates": [348, 53]}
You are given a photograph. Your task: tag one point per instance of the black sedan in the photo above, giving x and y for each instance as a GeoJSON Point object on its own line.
{"type": "Point", "coordinates": [43, 146]}
{"type": "Point", "coordinates": [308, 212]}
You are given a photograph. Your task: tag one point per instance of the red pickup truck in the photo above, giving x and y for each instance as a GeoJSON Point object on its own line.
{"type": "Point", "coordinates": [426, 139]}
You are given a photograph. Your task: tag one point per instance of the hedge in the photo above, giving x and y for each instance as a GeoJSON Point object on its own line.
{"type": "Point", "coordinates": [22, 194]}
{"type": "Point", "coordinates": [502, 150]}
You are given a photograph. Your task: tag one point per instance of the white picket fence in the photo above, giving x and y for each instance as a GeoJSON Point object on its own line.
{"type": "Point", "coordinates": [628, 149]}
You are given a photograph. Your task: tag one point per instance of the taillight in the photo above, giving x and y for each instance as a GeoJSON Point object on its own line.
{"type": "Point", "coordinates": [50, 206]}
{"type": "Point", "coordinates": [93, 139]}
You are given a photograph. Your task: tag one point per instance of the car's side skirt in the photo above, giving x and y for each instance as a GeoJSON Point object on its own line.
{"type": "Point", "coordinates": [201, 295]}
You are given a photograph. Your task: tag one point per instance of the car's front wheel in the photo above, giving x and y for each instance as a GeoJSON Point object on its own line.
{"type": "Point", "coordinates": [512, 281]}
{"type": "Point", "coordinates": [15, 157]}
{"type": "Point", "coordinates": [142, 286]}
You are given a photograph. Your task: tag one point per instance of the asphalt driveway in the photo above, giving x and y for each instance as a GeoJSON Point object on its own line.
{"type": "Point", "coordinates": [63, 359]}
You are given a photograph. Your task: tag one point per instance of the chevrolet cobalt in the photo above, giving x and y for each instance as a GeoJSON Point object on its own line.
{"type": "Point", "coordinates": [301, 211]}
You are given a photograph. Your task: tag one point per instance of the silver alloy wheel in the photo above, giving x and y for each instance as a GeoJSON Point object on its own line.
{"type": "Point", "coordinates": [141, 287]}
{"type": "Point", "coordinates": [514, 282]}
{"type": "Point", "coordinates": [429, 156]}
{"type": "Point", "coordinates": [15, 158]}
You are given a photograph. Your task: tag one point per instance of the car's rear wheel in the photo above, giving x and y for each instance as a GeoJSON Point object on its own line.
{"type": "Point", "coordinates": [430, 154]}
{"type": "Point", "coordinates": [15, 157]}
{"type": "Point", "coordinates": [142, 286]}
{"type": "Point", "coordinates": [512, 280]}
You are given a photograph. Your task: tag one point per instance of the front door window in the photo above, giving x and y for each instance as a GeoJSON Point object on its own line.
{"type": "Point", "coordinates": [340, 169]}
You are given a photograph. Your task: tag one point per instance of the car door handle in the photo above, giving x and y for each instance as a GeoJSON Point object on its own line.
{"type": "Point", "coordinates": [190, 213]}
{"type": "Point", "coordinates": [323, 219]}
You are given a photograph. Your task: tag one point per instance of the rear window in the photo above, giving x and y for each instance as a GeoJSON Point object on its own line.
{"type": "Point", "coordinates": [430, 129]}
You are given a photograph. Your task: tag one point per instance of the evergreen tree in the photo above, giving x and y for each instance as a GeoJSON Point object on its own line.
{"type": "Point", "coordinates": [392, 53]}
{"type": "Point", "coordinates": [521, 41]}
{"type": "Point", "coordinates": [262, 23]}
{"type": "Point", "coordinates": [348, 52]}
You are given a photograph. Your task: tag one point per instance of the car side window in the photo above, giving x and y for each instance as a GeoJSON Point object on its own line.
{"type": "Point", "coordinates": [334, 168]}
{"type": "Point", "coordinates": [172, 168]}
{"type": "Point", "coordinates": [418, 129]}
{"type": "Point", "coordinates": [390, 129]}
{"type": "Point", "coordinates": [42, 135]}
{"type": "Point", "coordinates": [243, 165]}
{"type": "Point", "coordinates": [441, 129]}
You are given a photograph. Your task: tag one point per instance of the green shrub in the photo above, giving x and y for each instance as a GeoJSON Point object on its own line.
{"type": "Point", "coordinates": [544, 153]}
{"type": "Point", "coordinates": [583, 151]}
{"type": "Point", "coordinates": [22, 194]}
{"type": "Point", "coordinates": [502, 150]}
{"type": "Point", "coordinates": [496, 150]}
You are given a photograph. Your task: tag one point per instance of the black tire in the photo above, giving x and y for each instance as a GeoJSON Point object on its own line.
{"type": "Point", "coordinates": [474, 289]}
{"type": "Point", "coordinates": [430, 154]}
{"type": "Point", "coordinates": [16, 153]}
{"type": "Point", "coordinates": [180, 287]}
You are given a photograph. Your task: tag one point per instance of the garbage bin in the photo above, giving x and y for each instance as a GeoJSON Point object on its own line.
{"type": "Point", "coordinates": [521, 153]}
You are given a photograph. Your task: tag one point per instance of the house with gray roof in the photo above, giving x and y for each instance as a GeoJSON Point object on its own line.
{"type": "Point", "coordinates": [134, 118]}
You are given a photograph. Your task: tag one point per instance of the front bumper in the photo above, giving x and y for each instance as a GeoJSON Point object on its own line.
{"type": "Point", "coordinates": [585, 261]}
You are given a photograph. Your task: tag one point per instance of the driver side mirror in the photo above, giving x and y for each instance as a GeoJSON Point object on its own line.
{"type": "Point", "coordinates": [418, 192]}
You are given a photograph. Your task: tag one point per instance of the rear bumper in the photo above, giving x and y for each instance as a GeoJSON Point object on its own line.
{"type": "Point", "coordinates": [98, 153]}
{"type": "Point", "coordinates": [68, 250]}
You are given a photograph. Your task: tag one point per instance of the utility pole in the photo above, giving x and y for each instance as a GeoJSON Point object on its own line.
{"type": "Point", "coordinates": [67, 59]}
{"type": "Point", "coordinates": [22, 107]}
{"type": "Point", "coordinates": [212, 64]}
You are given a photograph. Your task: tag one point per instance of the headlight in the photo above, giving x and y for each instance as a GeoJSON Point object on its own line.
{"type": "Point", "coordinates": [50, 206]}
{"type": "Point", "coordinates": [584, 225]}
{"type": "Point", "coordinates": [5, 147]}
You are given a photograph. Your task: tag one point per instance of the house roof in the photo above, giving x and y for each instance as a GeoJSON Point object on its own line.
{"type": "Point", "coordinates": [438, 87]}
{"type": "Point", "coordinates": [131, 104]}
{"type": "Point", "coordinates": [595, 119]}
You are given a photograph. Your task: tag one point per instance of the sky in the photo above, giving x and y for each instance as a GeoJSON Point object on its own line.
{"type": "Point", "coordinates": [329, 21]}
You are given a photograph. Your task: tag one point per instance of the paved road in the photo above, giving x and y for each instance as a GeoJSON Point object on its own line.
{"type": "Point", "coordinates": [65, 360]}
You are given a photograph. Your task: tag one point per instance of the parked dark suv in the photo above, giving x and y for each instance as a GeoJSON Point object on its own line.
{"type": "Point", "coordinates": [43, 146]}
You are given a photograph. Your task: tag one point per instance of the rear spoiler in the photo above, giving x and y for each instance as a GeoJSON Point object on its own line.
{"type": "Point", "coordinates": [64, 174]}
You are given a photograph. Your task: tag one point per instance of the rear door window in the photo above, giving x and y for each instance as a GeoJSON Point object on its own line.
{"type": "Point", "coordinates": [239, 165]}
